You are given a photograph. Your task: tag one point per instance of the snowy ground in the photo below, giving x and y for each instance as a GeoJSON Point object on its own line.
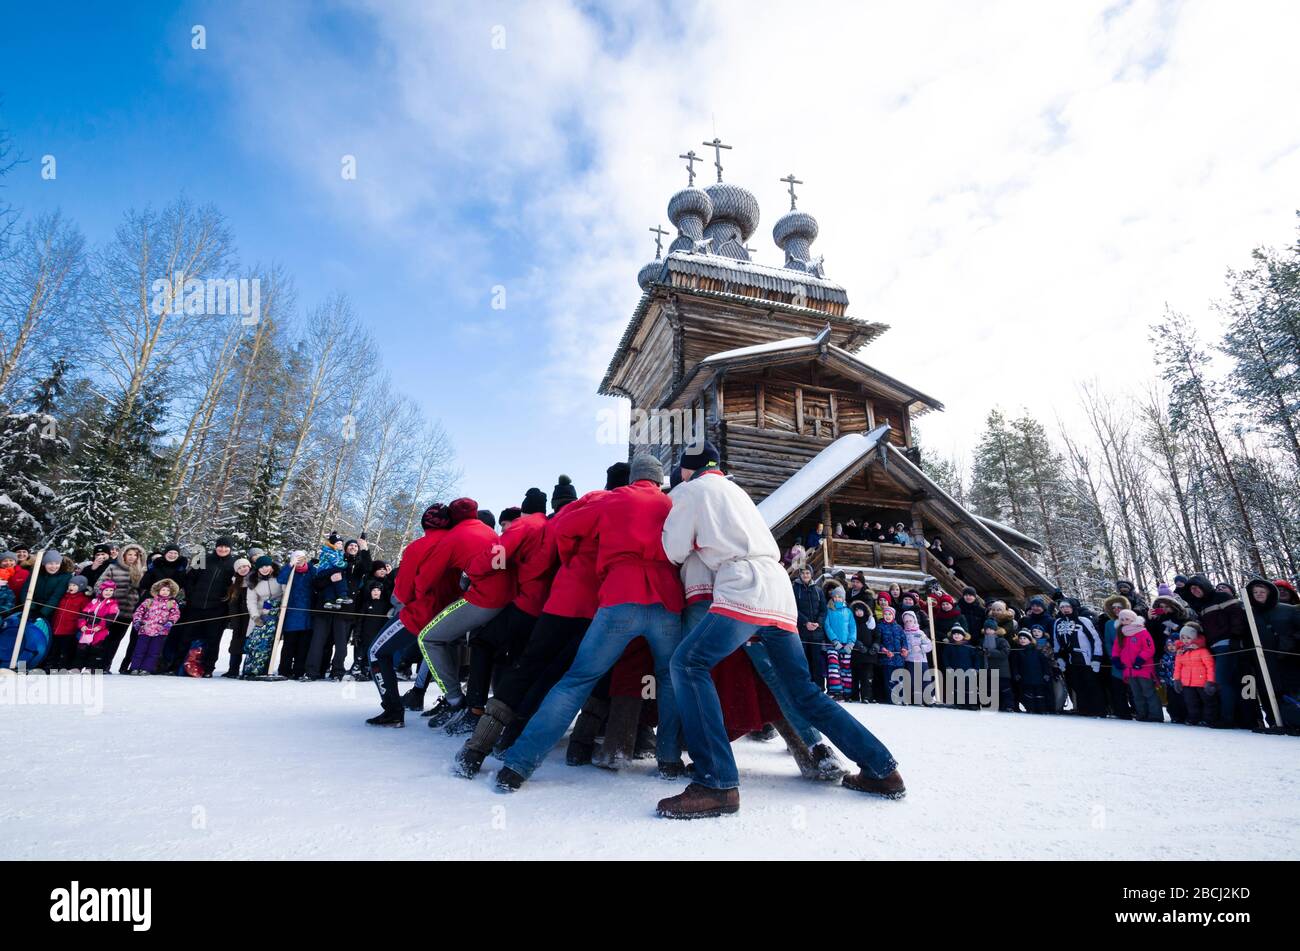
{"type": "Point", "coordinates": [174, 768]}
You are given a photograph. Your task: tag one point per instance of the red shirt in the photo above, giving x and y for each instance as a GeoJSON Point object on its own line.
{"type": "Point", "coordinates": [490, 584]}
{"type": "Point", "coordinates": [627, 524]}
{"type": "Point", "coordinates": [534, 565]}
{"type": "Point", "coordinates": [574, 587]}
{"type": "Point", "coordinates": [418, 605]}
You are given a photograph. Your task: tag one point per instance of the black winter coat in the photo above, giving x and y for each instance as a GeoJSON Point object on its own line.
{"type": "Point", "coordinates": [206, 588]}
{"type": "Point", "coordinates": [810, 602]}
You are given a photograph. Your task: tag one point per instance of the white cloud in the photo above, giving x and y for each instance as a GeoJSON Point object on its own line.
{"type": "Point", "coordinates": [1017, 188]}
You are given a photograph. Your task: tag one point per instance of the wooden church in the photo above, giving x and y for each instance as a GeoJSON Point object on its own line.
{"type": "Point", "coordinates": [768, 359]}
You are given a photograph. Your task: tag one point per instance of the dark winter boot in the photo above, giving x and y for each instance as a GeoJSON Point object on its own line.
{"type": "Point", "coordinates": [700, 802]}
{"type": "Point", "coordinates": [235, 663]}
{"type": "Point", "coordinates": [508, 780]}
{"type": "Point", "coordinates": [891, 787]}
{"type": "Point", "coordinates": [645, 742]}
{"type": "Point", "coordinates": [413, 699]}
{"type": "Point", "coordinates": [443, 711]}
{"type": "Point", "coordinates": [829, 767]}
{"type": "Point", "coordinates": [803, 756]}
{"type": "Point", "coordinates": [767, 733]}
{"type": "Point", "coordinates": [620, 733]}
{"type": "Point", "coordinates": [582, 741]}
{"type": "Point", "coordinates": [676, 770]}
{"type": "Point", "coordinates": [393, 718]}
{"type": "Point", "coordinates": [463, 723]}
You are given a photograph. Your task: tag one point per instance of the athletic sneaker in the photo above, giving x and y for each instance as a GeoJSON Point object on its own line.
{"type": "Point", "coordinates": [443, 711]}
{"type": "Point", "coordinates": [463, 723]}
{"type": "Point", "coordinates": [392, 718]}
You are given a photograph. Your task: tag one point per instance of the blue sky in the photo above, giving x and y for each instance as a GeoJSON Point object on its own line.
{"type": "Point", "coordinates": [1006, 184]}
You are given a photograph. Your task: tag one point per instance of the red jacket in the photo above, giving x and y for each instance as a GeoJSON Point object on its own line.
{"type": "Point", "coordinates": [18, 579]}
{"type": "Point", "coordinates": [489, 586]}
{"type": "Point", "coordinates": [533, 563]}
{"type": "Point", "coordinates": [628, 525]}
{"type": "Point", "coordinates": [419, 604]}
{"type": "Point", "coordinates": [1194, 666]}
{"type": "Point", "coordinates": [574, 587]}
{"type": "Point", "coordinates": [67, 619]}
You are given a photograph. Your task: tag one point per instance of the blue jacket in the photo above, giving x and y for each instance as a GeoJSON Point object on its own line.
{"type": "Point", "coordinates": [892, 638]}
{"type": "Point", "coordinates": [960, 657]}
{"type": "Point", "coordinates": [297, 617]}
{"type": "Point", "coordinates": [840, 624]}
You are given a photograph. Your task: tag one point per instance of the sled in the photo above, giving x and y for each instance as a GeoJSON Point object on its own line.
{"type": "Point", "coordinates": [35, 642]}
{"type": "Point", "coordinates": [193, 665]}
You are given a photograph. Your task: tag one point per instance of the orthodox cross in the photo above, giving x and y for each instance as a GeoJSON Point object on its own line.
{"type": "Point", "coordinates": [691, 159]}
{"type": "Point", "coordinates": [717, 147]}
{"type": "Point", "coordinates": [793, 182]}
{"type": "Point", "coordinates": [659, 233]}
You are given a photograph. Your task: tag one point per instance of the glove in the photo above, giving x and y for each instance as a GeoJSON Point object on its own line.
{"type": "Point", "coordinates": [1096, 666]}
{"type": "Point", "coordinates": [1211, 689]}
{"type": "Point", "coordinates": [1178, 686]}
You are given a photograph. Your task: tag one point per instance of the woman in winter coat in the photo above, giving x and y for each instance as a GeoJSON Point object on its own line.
{"type": "Point", "coordinates": [1223, 621]}
{"type": "Point", "coordinates": [1194, 676]}
{"type": "Point", "coordinates": [170, 564]}
{"type": "Point", "coordinates": [237, 615]}
{"type": "Point", "coordinates": [262, 594]}
{"type": "Point", "coordinates": [127, 570]}
{"type": "Point", "coordinates": [841, 632]}
{"type": "Point", "coordinates": [972, 608]}
{"type": "Point", "coordinates": [49, 585]}
{"type": "Point", "coordinates": [1078, 655]}
{"type": "Point", "coordinates": [1278, 626]}
{"type": "Point", "coordinates": [1135, 652]}
{"type": "Point", "coordinates": [1118, 698]}
{"type": "Point", "coordinates": [296, 635]}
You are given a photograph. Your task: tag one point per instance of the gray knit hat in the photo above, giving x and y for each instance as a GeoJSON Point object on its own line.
{"type": "Point", "coordinates": [646, 466]}
{"type": "Point", "coordinates": [81, 581]}
{"type": "Point", "coordinates": [51, 556]}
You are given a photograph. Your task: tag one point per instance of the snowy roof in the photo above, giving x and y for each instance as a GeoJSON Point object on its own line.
{"type": "Point", "coordinates": [840, 457]}
{"type": "Point", "coordinates": [752, 274]}
{"type": "Point", "coordinates": [1007, 532]}
{"type": "Point", "coordinates": [772, 346]}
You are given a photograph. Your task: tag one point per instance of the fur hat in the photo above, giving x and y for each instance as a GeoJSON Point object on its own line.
{"type": "Point", "coordinates": [165, 583]}
{"type": "Point", "coordinates": [1116, 601]}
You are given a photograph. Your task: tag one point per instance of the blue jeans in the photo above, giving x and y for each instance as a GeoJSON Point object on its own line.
{"type": "Point", "coordinates": [612, 629]}
{"type": "Point", "coordinates": [706, 736]}
{"type": "Point", "coordinates": [697, 611]}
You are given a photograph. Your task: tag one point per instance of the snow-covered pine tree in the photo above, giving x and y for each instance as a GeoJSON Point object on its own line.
{"type": "Point", "coordinates": [258, 516]}
{"type": "Point", "coordinates": [30, 446]}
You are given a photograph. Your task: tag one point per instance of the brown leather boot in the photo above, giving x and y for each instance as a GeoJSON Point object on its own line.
{"type": "Point", "coordinates": [620, 733]}
{"type": "Point", "coordinates": [891, 787]}
{"type": "Point", "coordinates": [700, 802]}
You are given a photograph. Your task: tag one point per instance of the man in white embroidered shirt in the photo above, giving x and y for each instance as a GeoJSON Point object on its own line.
{"type": "Point", "coordinates": [752, 597]}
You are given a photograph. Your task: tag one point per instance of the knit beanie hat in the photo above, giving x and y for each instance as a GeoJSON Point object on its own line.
{"type": "Point", "coordinates": [264, 562]}
{"type": "Point", "coordinates": [243, 561]}
{"type": "Point", "coordinates": [990, 623]}
{"type": "Point", "coordinates": [1129, 622]}
{"type": "Point", "coordinates": [702, 457]}
{"type": "Point", "coordinates": [107, 583]}
{"type": "Point", "coordinates": [223, 542]}
{"type": "Point", "coordinates": [1163, 589]}
{"type": "Point", "coordinates": [647, 467]}
{"type": "Point", "coordinates": [462, 509]}
{"type": "Point", "coordinates": [887, 614]}
{"type": "Point", "coordinates": [487, 518]}
{"type": "Point", "coordinates": [910, 622]}
{"type": "Point", "coordinates": [534, 502]}
{"type": "Point", "coordinates": [81, 581]}
{"type": "Point", "coordinates": [563, 492]}
{"type": "Point", "coordinates": [514, 512]}
{"type": "Point", "coordinates": [51, 557]}
{"type": "Point", "coordinates": [616, 476]}
{"type": "Point", "coordinates": [8, 554]}
{"type": "Point", "coordinates": [435, 516]}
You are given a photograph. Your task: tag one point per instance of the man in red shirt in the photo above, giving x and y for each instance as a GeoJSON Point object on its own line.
{"type": "Point", "coordinates": [570, 602]}
{"type": "Point", "coordinates": [640, 595]}
{"type": "Point", "coordinates": [491, 588]}
{"type": "Point", "coordinates": [418, 606]}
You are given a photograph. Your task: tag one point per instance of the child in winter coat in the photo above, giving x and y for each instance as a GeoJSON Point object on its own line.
{"type": "Point", "coordinates": [864, 652]}
{"type": "Point", "coordinates": [335, 593]}
{"type": "Point", "coordinates": [1135, 652]}
{"type": "Point", "coordinates": [8, 565]}
{"type": "Point", "coordinates": [154, 617]}
{"type": "Point", "coordinates": [1031, 669]}
{"type": "Point", "coordinates": [918, 650]}
{"type": "Point", "coordinates": [961, 660]}
{"type": "Point", "coordinates": [374, 610]}
{"type": "Point", "coordinates": [67, 624]}
{"type": "Point", "coordinates": [1194, 676]}
{"type": "Point", "coordinates": [94, 628]}
{"type": "Point", "coordinates": [1168, 614]}
{"type": "Point", "coordinates": [892, 651]}
{"type": "Point", "coordinates": [841, 632]}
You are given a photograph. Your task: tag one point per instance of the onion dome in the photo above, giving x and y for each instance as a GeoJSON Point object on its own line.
{"type": "Point", "coordinates": [794, 233]}
{"type": "Point", "coordinates": [649, 273]}
{"type": "Point", "coordinates": [735, 218]}
{"type": "Point", "coordinates": [689, 211]}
